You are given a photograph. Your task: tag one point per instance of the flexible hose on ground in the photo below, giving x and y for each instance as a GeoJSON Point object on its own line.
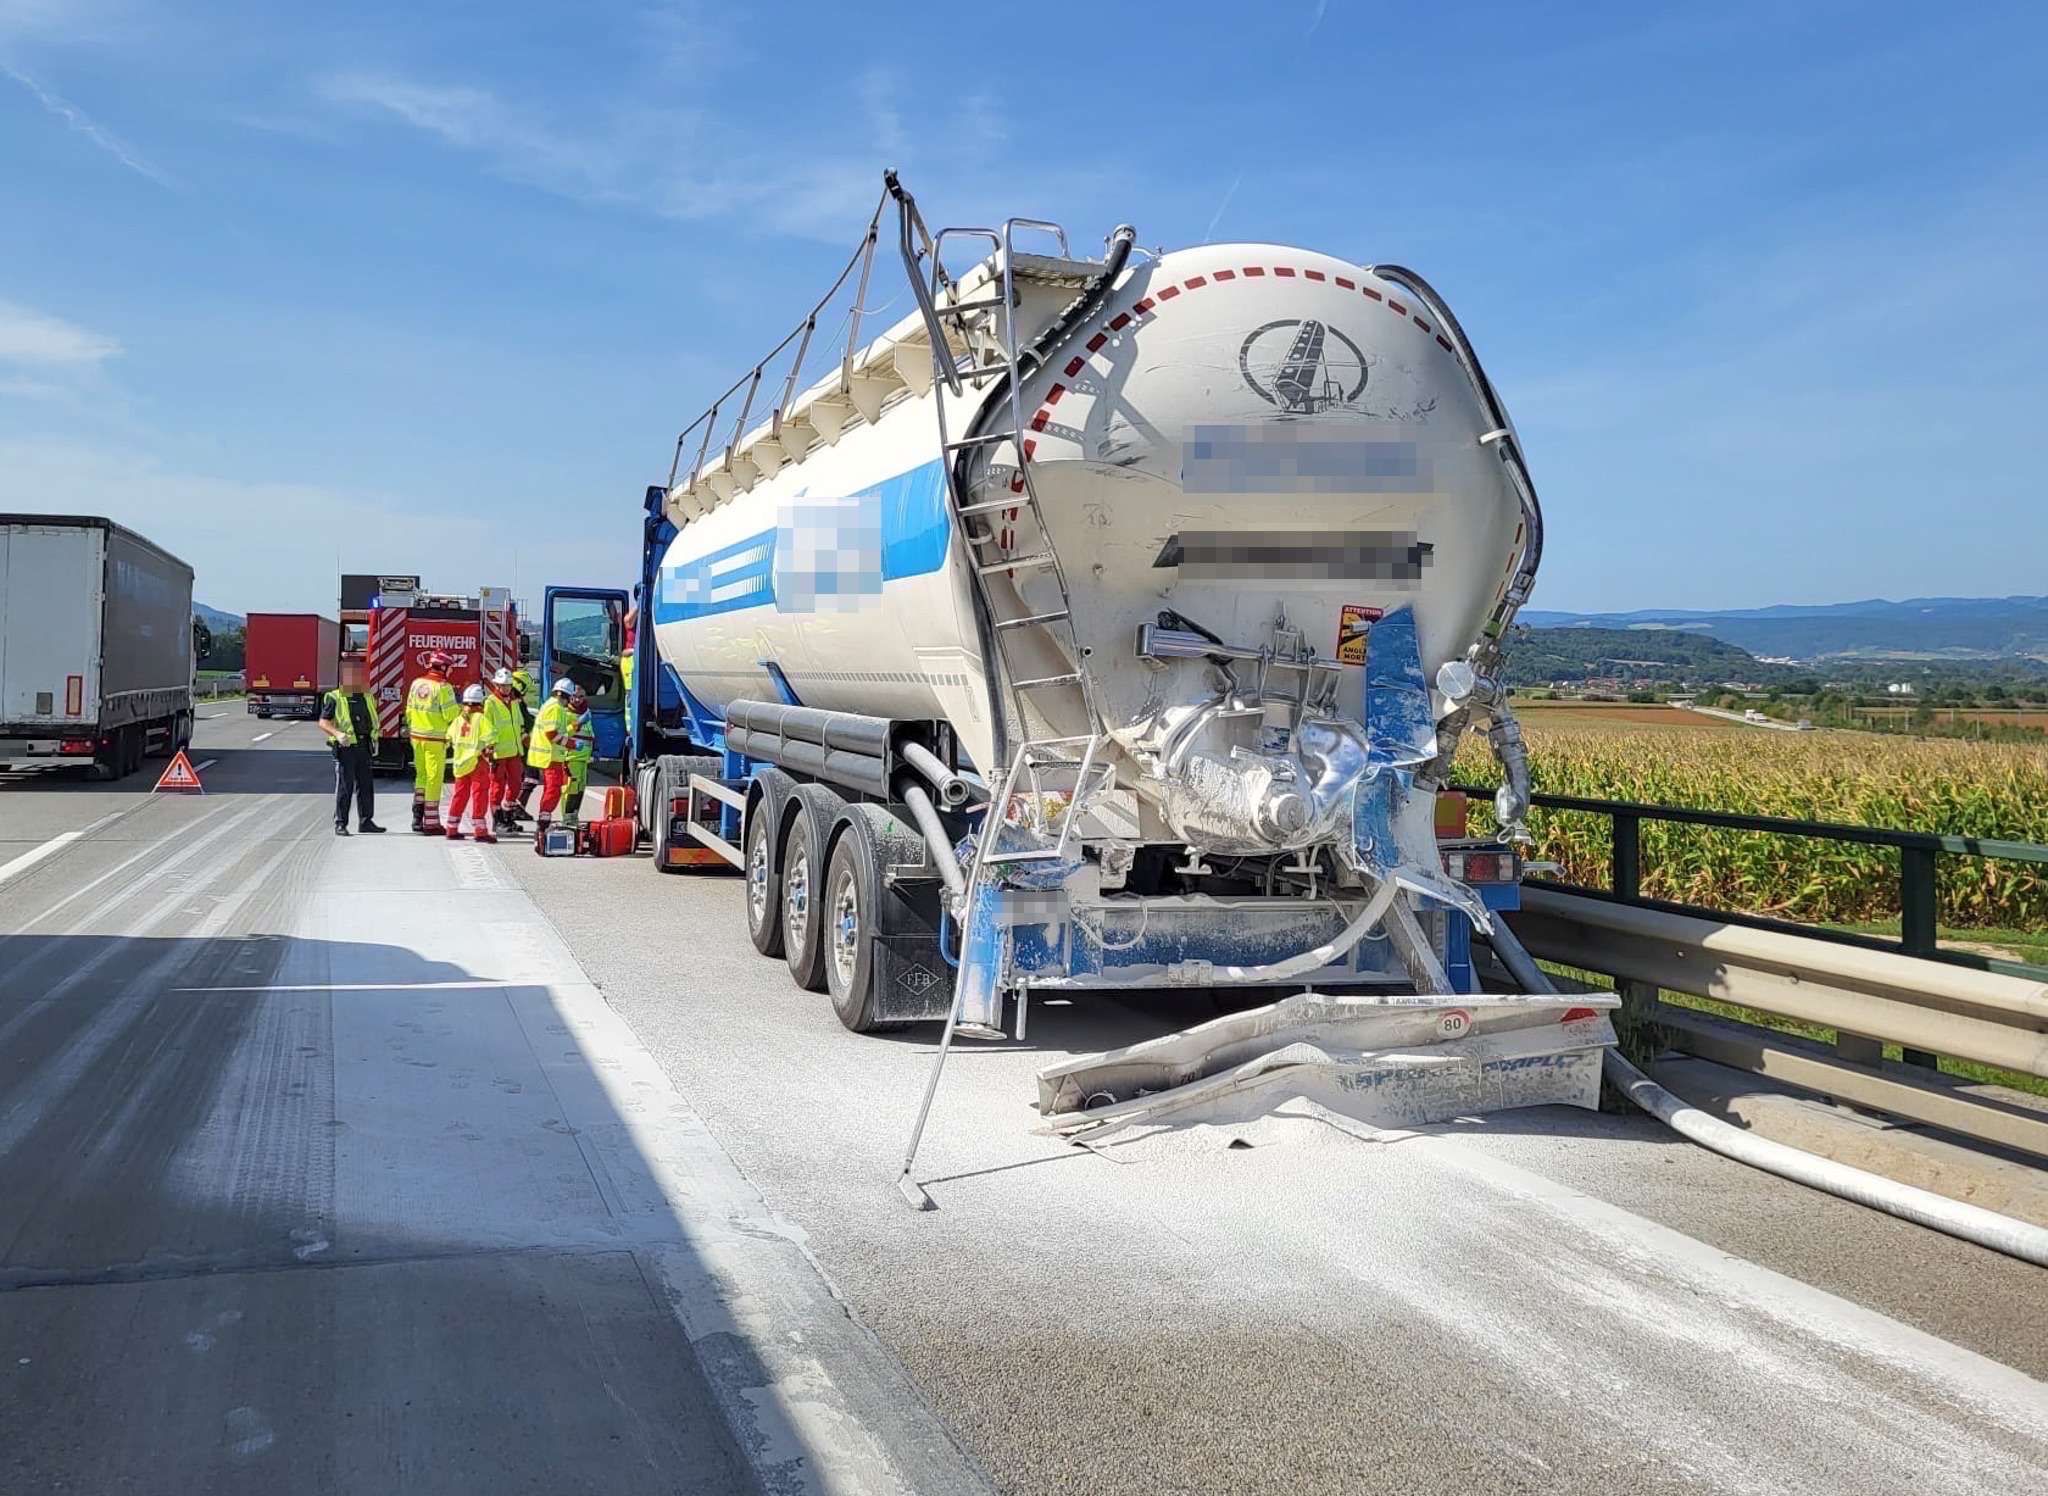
{"type": "Point", "coordinates": [1971, 1223]}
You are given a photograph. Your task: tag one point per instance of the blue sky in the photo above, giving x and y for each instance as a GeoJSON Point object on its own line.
{"type": "Point", "coordinates": [398, 286]}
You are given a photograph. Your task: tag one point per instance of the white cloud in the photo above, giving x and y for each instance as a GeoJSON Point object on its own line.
{"type": "Point", "coordinates": [85, 125]}
{"type": "Point", "coordinates": [680, 164]}
{"type": "Point", "coordinates": [30, 337]}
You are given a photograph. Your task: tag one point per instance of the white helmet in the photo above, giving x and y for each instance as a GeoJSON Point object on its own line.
{"type": "Point", "coordinates": [564, 686]}
{"type": "Point", "coordinates": [474, 696]}
{"type": "Point", "coordinates": [502, 678]}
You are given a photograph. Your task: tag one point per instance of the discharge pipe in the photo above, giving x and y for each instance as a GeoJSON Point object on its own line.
{"type": "Point", "coordinates": [1971, 1223]}
{"type": "Point", "coordinates": [936, 841]}
{"type": "Point", "coordinates": [954, 791]}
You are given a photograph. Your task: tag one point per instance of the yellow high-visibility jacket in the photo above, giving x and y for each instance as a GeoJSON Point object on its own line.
{"type": "Point", "coordinates": [334, 708]}
{"type": "Point", "coordinates": [430, 706]}
{"type": "Point", "coordinates": [468, 738]}
{"type": "Point", "coordinates": [551, 729]}
{"type": "Point", "coordinates": [502, 718]}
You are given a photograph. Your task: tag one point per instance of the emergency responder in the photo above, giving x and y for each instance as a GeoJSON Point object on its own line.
{"type": "Point", "coordinates": [582, 744]}
{"type": "Point", "coordinates": [523, 699]}
{"type": "Point", "coordinates": [470, 742]}
{"type": "Point", "coordinates": [549, 754]}
{"type": "Point", "coordinates": [348, 718]}
{"type": "Point", "coordinates": [501, 714]}
{"type": "Point", "coordinates": [430, 709]}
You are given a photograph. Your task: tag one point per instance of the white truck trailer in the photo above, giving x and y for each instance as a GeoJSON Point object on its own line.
{"type": "Point", "coordinates": [96, 657]}
{"type": "Point", "coordinates": [1109, 623]}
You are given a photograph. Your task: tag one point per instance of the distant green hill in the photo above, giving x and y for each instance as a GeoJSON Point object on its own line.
{"type": "Point", "coordinates": [1538, 656]}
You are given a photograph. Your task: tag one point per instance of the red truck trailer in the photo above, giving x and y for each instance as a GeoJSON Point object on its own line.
{"type": "Point", "coordinates": [478, 634]}
{"type": "Point", "coordinates": [290, 661]}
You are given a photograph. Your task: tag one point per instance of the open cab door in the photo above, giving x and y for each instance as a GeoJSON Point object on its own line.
{"type": "Point", "coordinates": [582, 631]}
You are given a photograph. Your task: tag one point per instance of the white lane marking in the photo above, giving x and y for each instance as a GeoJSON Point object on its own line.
{"type": "Point", "coordinates": [463, 986]}
{"type": "Point", "coordinates": [189, 847]}
{"type": "Point", "coordinates": [35, 855]}
{"type": "Point", "coordinates": [204, 764]}
{"type": "Point", "coordinates": [262, 737]}
{"type": "Point", "coordinates": [56, 843]}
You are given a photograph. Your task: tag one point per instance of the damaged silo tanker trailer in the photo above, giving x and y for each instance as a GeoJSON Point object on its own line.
{"type": "Point", "coordinates": [1106, 624]}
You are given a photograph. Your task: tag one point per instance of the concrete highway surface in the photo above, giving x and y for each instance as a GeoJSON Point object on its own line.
{"type": "Point", "coordinates": [383, 1164]}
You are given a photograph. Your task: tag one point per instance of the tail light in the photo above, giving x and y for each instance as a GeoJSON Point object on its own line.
{"type": "Point", "coordinates": [1480, 867]}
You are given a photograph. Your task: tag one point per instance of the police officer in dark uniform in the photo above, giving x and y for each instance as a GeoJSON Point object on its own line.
{"type": "Point", "coordinates": [348, 715]}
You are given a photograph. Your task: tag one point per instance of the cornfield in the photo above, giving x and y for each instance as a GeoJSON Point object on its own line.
{"type": "Point", "coordinates": [1913, 784]}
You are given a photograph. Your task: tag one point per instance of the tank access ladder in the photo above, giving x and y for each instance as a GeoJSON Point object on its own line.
{"type": "Point", "coordinates": [973, 333]}
{"type": "Point", "coordinates": [981, 323]}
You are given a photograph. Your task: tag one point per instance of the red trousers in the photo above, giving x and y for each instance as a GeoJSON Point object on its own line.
{"type": "Point", "coordinates": [552, 778]}
{"type": "Point", "coordinates": [474, 793]}
{"type": "Point", "coordinates": [510, 782]}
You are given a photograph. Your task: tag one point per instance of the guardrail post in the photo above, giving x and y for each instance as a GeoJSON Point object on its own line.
{"type": "Point", "coordinates": [1917, 920]}
{"type": "Point", "coordinates": [1626, 870]}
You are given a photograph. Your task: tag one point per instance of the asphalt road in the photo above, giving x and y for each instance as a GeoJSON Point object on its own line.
{"type": "Point", "coordinates": [386, 1164]}
{"type": "Point", "coordinates": [324, 1168]}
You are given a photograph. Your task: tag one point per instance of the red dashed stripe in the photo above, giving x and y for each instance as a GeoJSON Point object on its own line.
{"type": "Point", "coordinates": [1148, 304]}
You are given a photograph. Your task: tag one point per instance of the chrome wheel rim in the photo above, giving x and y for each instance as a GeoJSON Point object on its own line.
{"type": "Point", "coordinates": [845, 931]}
{"type": "Point", "coordinates": [796, 899]}
{"type": "Point", "coordinates": [757, 882]}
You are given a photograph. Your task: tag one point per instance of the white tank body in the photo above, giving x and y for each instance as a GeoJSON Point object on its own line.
{"type": "Point", "coordinates": [1268, 442]}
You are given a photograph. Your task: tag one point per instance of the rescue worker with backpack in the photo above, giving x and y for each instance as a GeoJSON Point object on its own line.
{"type": "Point", "coordinates": [470, 744]}
{"type": "Point", "coordinates": [430, 709]}
{"type": "Point", "coordinates": [508, 751]}
{"type": "Point", "coordinates": [553, 728]}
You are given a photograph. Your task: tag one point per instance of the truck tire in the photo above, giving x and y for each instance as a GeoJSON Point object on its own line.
{"type": "Point", "coordinates": [672, 773]}
{"type": "Point", "coordinates": [847, 926]}
{"type": "Point", "coordinates": [803, 873]}
{"type": "Point", "coordinates": [764, 881]}
{"type": "Point", "coordinates": [769, 797]}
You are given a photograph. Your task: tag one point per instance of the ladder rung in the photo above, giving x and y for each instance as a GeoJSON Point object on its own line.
{"type": "Point", "coordinates": [1037, 558]}
{"type": "Point", "coordinates": [962, 308]}
{"type": "Point", "coordinates": [986, 439]}
{"type": "Point", "coordinates": [1025, 623]}
{"type": "Point", "coordinates": [1070, 679]}
{"type": "Point", "coordinates": [989, 506]}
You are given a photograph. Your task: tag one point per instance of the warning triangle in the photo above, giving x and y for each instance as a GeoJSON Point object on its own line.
{"type": "Point", "coordinates": [180, 775]}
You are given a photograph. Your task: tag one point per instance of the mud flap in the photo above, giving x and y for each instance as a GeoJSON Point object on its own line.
{"type": "Point", "coordinates": [1389, 1061]}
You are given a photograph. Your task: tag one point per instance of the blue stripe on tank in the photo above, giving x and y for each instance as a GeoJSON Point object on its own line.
{"type": "Point", "coordinates": [915, 526]}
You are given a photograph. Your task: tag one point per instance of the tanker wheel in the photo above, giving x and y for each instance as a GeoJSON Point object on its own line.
{"type": "Point", "coordinates": [764, 887]}
{"type": "Point", "coordinates": [803, 877]}
{"type": "Point", "coordinates": [848, 912]}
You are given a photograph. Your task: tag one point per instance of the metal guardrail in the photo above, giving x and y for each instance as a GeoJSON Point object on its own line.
{"type": "Point", "coordinates": [1918, 872]}
{"type": "Point", "coordinates": [214, 687]}
{"type": "Point", "coordinates": [1870, 990]}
